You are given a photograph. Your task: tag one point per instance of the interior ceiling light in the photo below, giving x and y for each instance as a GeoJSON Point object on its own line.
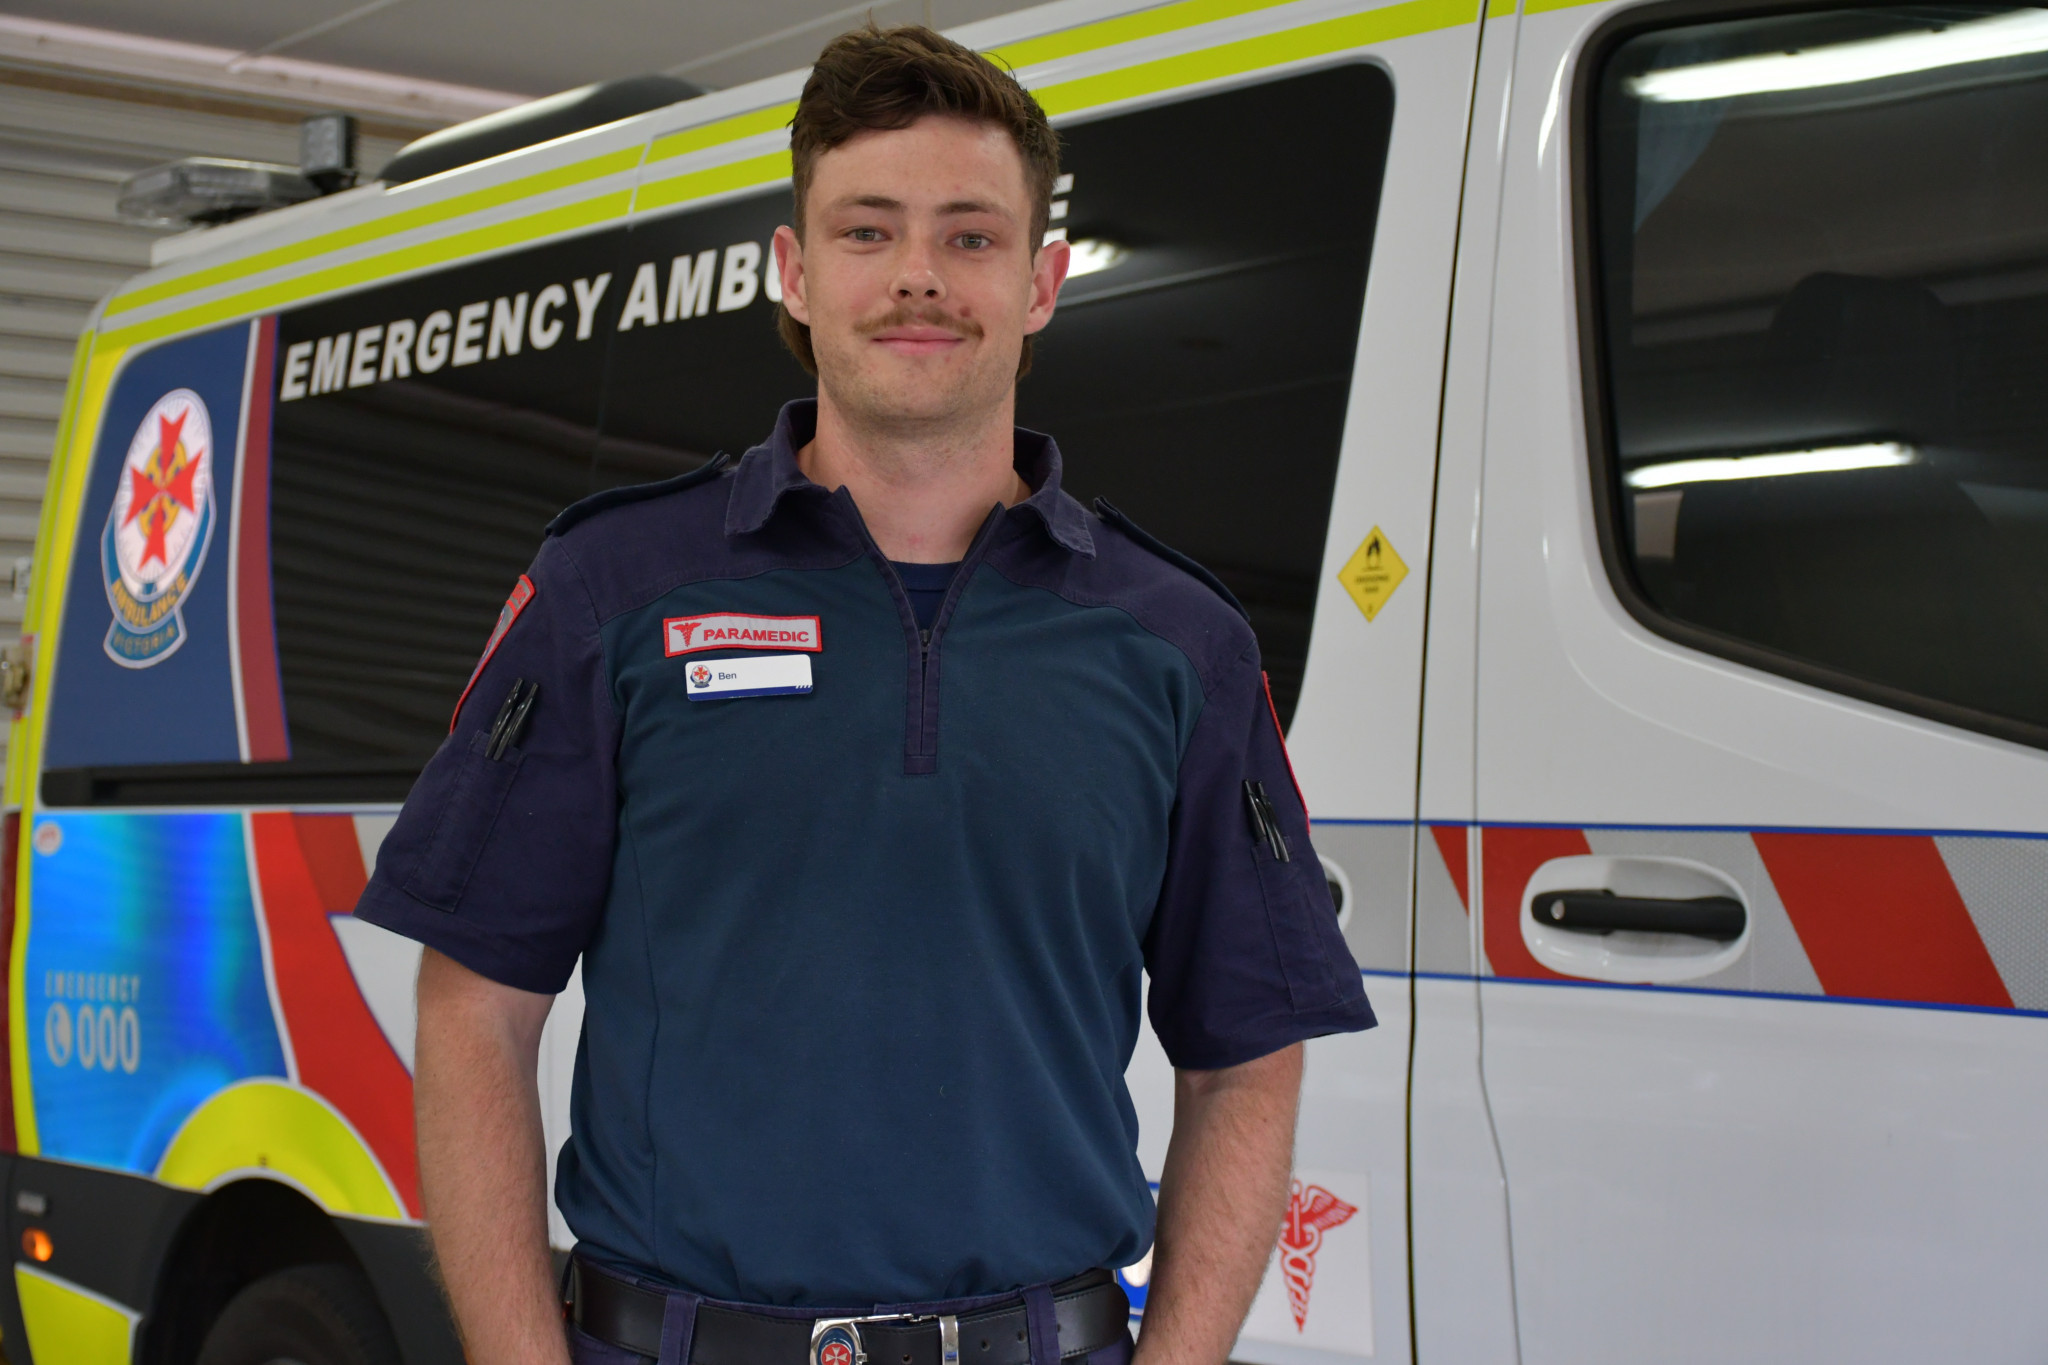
{"type": "Point", "coordinates": [1091, 254]}
{"type": "Point", "coordinates": [1717, 469]}
{"type": "Point", "coordinates": [2013, 34]}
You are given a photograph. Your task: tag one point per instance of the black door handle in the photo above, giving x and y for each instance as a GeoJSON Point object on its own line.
{"type": "Point", "coordinates": [1717, 917]}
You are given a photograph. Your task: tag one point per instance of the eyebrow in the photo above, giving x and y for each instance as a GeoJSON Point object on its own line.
{"type": "Point", "coordinates": [950, 209]}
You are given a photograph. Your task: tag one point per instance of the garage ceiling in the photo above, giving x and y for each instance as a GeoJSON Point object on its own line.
{"type": "Point", "coordinates": [530, 47]}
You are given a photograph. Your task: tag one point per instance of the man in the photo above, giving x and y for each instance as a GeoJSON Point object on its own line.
{"type": "Point", "coordinates": [867, 778]}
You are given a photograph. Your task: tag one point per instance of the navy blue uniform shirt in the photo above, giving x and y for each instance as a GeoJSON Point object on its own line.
{"type": "Point", "coordinates": [863, 964]}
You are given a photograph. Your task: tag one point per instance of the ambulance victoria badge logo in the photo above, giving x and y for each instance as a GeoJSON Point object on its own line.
{"type": "Point", "coordinates": [158, 529]}
{"type": "Point", "coordinates": [700, 676]}
{"type": "Point", "coordinates": [1311, 1211]}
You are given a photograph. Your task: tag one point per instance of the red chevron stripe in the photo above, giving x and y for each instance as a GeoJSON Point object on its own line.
{"type": "Point", "coordinates": [311, 867]}
{"type": "Point", "coordinates": [1881, 918]}
{"type": "Point", "coordinates": [1450, 842]}
{"type": "Point", "coordinates": [1508, 857]}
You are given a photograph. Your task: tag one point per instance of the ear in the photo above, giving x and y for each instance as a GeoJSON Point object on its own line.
{"type": "Point", "coordinates": [1048, 273]}
{"type": "Point", "coordinates": [789, 265]}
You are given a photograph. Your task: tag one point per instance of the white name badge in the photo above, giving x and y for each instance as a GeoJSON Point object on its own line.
{"type": "Point", "coordinates": [761, 675]}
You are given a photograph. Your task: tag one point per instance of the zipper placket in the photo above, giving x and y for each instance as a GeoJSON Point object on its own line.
{"type": "Point", "coordinates": [921, 703]}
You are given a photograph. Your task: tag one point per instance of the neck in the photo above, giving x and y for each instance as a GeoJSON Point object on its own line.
{"type": "Point", "coordinates": [922, 490]}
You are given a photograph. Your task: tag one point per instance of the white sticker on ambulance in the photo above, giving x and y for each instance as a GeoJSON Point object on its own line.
{"type": "Point", "coordinates": [731, 630]}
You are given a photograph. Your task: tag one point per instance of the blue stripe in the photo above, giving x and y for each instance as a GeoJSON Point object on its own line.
{"type": "Point", "coordinates": [1756, 995]}
{"type": "Point", "coordinates": [1715, 829]}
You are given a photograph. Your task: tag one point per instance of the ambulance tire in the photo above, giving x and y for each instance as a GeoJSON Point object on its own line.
{"type": "Point", "coordinates": [308, 1315]}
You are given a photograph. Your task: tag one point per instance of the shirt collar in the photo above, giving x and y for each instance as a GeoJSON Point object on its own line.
{"type": "Point", "coordinates": [769, 471]}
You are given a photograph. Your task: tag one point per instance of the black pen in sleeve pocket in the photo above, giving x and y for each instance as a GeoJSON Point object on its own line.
{"type": "Point", "coordinates": [514, 724]}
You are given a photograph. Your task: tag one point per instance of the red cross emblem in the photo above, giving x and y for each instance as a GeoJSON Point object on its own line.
{"type": "Point", "coordinates": [161, 486]}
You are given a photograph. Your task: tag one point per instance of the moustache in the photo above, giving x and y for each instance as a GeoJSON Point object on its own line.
{"type": "Point", "coordinates": [903, 316]}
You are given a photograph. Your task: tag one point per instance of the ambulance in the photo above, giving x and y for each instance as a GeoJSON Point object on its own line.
{"type": "Point", "coordinates": [1626, 424]}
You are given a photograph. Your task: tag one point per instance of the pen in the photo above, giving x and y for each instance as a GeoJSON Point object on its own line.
{"type": "Point", "coordinates": [504, 714]}
{"type": "Point", "coordinates": [518, 721]}
{"type": "Point", "coordinates": [1265, 821]}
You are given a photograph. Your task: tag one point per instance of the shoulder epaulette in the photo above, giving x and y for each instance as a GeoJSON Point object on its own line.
{"type": "Point", "coordinates": [637, 492]}
{"type": "Point", "coordinates": [1114, 515]}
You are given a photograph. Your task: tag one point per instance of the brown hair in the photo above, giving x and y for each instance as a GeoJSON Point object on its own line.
{"type": "Point", "coordinates": [874, 79]}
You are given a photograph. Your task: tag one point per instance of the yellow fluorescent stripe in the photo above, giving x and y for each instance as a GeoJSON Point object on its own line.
{"type": "Point", "coordinates": [370, 269]}
{"type": "Point", "coordinates": [1124, 29]}
{"type": "Point", "coordinates": [737, 175]}
{"type": "Point", "coordinates": [426, 215]}
{"type": "Point", "coordinates": [1545, 6]}
{"type": "Point", "coordinates": [1272, 49]}
{"type": "Point", "coordinates": [725, 130]}
{"type": "Point", "coordinates": [65, 1322]}
{"type": "Point", "coordinates": [1499, 9]}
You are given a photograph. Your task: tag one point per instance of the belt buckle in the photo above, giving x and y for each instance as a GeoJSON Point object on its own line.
{"type": "Point", "coordinates": [836, 1341]}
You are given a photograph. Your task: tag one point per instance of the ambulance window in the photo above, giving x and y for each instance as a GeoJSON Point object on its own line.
{"type": "Point", "coordinates": [1199, 367]}
{"type": "Point", "coordinates": [410, 492]}
{"type": "Point", "coordinates": [1822, 264]}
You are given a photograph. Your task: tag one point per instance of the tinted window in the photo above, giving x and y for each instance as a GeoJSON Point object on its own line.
{"type": "Point", "coordinates": [1197, 376]}
{"type": "Point", "coordinates": [1823, 262]}
{"type": "Point", "coordinates": [407, 498]}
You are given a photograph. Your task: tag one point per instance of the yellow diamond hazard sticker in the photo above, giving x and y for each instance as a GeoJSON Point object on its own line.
{"type": "Point", "coordinates": [1373, 573]}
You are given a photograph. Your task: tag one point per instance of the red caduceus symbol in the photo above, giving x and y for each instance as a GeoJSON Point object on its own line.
{"type": "Point", "coordinates": [1311, 1211]}
{"type": "Point", "coordinates": [836, 1353]}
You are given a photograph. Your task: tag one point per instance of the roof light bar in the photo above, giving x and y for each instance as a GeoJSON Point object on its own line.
{"type": "Point", "coordinates": [206, 189]}
{"type": "Point", "coordinates": [2013, 34]}
{"type": "Point", "coordinates": [1719, 469]}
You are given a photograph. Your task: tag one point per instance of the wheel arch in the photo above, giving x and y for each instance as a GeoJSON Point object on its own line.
{"type": "Point", "coordinates": [239, 1232]}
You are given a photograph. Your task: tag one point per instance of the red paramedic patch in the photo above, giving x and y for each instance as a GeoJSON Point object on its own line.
{"type": "Point", "coordinates": [522, 593]}
{"type": "Point", "coordinates": [732, 630]}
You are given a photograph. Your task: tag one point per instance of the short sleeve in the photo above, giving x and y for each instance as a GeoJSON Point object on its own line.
{"type": "Point", "coordinates": [1243, 949]}
{"type": "Point", "coordinates": [503, 861]}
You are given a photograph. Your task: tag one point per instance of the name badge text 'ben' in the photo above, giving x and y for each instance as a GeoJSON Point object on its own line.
{"type": "Point", "coordinates": [764, 675]}
{"type": "Point", "coordinates": [730, 630]}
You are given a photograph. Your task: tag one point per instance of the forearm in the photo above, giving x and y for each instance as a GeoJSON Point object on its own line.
{"type": "Point", "coordinates": [1221, 1199]}
{"type": "Point", "coordinates": [483, 1163]}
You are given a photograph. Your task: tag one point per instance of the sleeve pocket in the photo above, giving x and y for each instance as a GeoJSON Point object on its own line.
{"type": "Point", "coordinates": [467, 816]}
{"type": "Point", "coordinates": [1297, 939]}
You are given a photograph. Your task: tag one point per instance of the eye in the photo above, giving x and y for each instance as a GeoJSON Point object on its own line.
{"type": "Point", "coordinates": [974, 241]}
{"type": "Point", "coordinates": [865, 234]}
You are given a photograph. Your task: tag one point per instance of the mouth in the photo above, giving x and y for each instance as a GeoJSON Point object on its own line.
{"type": "Point", "coordinates": [918, 339]}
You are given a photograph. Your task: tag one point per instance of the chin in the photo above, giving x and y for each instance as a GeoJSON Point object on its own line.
{"type": "Point", "coordinates": [932, 396]}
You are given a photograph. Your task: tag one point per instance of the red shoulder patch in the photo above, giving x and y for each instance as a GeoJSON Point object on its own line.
{"type": "Point", "coordinates": [1274, 712]}
{"type": "Point", "coordinates": [522, 593]}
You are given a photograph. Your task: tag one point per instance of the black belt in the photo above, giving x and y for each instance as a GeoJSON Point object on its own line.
{"type": "Point", "coordinates": [1092, 1311]}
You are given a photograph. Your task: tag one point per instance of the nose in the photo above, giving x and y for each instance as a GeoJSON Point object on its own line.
{"type": "Point", "coordinates": [917, 277]}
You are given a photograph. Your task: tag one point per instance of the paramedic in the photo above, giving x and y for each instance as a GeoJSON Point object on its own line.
{"type": "Point", "coordinates": [867, 777]}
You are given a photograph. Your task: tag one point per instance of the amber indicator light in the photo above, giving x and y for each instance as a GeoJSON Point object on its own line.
{"type": "Point", "coordinates": [36, 1243]}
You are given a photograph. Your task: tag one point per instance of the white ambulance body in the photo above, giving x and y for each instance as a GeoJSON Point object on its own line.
{"type": "Point", "coordinates": [1627, 426]}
